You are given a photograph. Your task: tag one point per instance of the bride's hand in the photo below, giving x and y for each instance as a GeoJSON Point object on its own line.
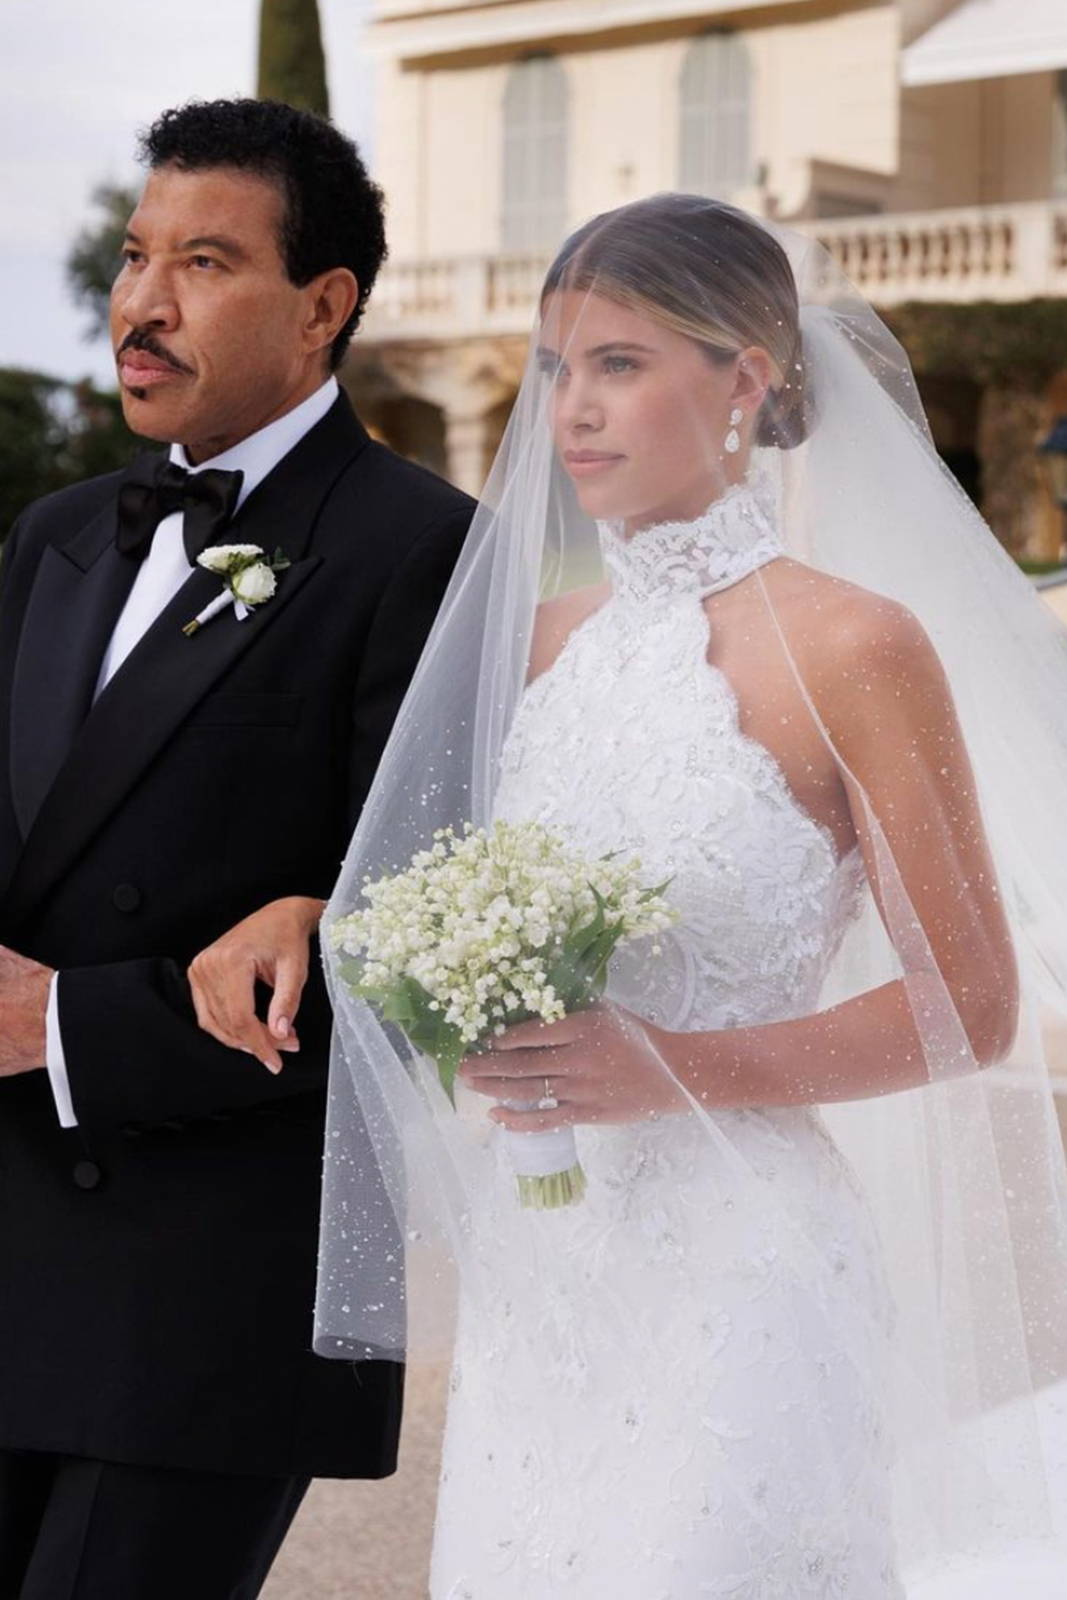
{"type": "Point", "coordinates": [271, 946]}
{"type": "Point", "coordinates": [601, 1065]}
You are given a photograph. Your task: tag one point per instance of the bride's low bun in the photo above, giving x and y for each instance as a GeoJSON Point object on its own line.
{"type": "Point", "coordinates": [785, 417]}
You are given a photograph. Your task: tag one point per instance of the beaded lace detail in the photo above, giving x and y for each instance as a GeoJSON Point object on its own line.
{"type": "Point", "coordinates": [632, 741]}
{"type": "Point", "coordinates": [737, 534]}
{"type": "Point", "coordinates": [661, 1395]}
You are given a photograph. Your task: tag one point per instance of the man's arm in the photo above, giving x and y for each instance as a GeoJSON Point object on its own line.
{"type": "Point", "coordinates": [24, 984]}
{"type": "Point", "coordinates": [135, 1051]}
{"type": "Point", "coordinates": [24, 988]}
{"type": "Point", "coordinates": [102, 1016]}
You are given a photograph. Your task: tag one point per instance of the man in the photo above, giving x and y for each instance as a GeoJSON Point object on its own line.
{"type": "Point", "coordinates": [160, 1408]}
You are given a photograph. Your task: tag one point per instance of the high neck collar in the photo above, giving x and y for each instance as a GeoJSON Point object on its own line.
{"type": "Point", "coordinates": [735, 535]}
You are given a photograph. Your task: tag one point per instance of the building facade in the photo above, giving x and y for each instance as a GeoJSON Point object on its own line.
{"type": "Point", "coordinates": [923, 142]}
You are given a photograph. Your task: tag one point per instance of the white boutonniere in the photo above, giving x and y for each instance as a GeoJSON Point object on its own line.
{"type": "Point", "coordinates": [249, 575]}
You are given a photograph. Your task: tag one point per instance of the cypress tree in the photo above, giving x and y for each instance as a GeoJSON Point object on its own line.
{"type": "Point", "coordinates": [292, 66]}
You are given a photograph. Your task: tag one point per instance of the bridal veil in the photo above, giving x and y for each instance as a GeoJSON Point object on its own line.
{"type": "Point", "coordinates": [963, 1173]}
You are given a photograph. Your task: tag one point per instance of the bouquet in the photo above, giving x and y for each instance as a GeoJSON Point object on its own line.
{"type": "Point", "coordinates": [486, 929]}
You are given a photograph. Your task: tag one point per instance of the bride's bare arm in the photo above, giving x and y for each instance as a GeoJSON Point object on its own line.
{"type": "Point", "coordinates": [889, 711]}
{"type": "Point", "coordinates": [887, 706]}
{"type": "Point", "coordinates": [271, 946]}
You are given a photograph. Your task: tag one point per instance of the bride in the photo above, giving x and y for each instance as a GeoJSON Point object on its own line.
{"type": "Point", "coordinates": [722, 610]}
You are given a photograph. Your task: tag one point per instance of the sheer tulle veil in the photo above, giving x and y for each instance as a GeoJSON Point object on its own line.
{"type": "Point", "coordinates": [964, 1175]}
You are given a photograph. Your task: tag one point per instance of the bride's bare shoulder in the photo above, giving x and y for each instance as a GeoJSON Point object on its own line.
{"type": "Point", "coordinates": [850, 636]}
{"type": "Point", "coordinates": [840, 615]}
{"type": "Point", "coordinates": [557, 619]}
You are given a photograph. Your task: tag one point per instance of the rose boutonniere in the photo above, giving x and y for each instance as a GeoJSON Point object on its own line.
{"type": "Point", "coordinates": [249, 577]}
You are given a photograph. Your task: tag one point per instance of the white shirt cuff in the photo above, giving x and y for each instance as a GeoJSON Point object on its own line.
{"type": "Point", "coordinates": [56, 1061]}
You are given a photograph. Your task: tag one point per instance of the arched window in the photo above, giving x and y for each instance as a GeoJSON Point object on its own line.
{"type": "Point", "coordinates": [534, 201]}
{"type": "Point", "coordinates": [716, 138]}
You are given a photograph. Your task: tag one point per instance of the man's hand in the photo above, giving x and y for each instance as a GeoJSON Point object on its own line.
{"type": "Point", "coordinates": [23, 1003]}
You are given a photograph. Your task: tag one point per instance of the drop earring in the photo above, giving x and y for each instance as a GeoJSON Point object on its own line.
{"type": "Point", "coordinates": [733, 438]}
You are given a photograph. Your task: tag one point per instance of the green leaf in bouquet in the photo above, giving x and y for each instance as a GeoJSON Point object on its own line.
{"type": "Point", "coordinates": [448, 1057]}
{"type": "Point", "coordinates": [351, 971]}
{"type": "Point", "coordinates": [598, 934]}
{"type": "Point", "coordinates": [410, 1006]}
{"type": "Point", "coordinates": [413, 1008]}
{"type": "Point", "coordinates": [595, 965]}
{"type": "Point", "coordinates": [577, 943]}
{"type": "Point", "coordinates": [580, 972]}
{"type": "Point", "coordinates": [582, 986]}
{"type": "Point", "coordinates": [395, 1003]}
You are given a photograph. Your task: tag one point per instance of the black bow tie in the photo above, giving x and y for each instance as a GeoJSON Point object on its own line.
{"type": "Point", "coordinates": [152, 488]}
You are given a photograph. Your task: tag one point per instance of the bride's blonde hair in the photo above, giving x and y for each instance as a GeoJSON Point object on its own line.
{"type": "Point", "coordinates": [705, 270]}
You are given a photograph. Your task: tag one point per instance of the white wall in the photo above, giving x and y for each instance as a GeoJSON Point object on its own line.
{"type": "Point", "coordinates": [823, 89]}
{"type": "Point", "coordinates": [979, 143]}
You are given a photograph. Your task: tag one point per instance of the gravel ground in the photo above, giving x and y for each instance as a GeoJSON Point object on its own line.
{"type": "Point", "coordinates": [370, 1541]}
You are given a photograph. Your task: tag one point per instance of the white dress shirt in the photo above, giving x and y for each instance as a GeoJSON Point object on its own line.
{"type": "Point", "coordinates": [162, 573]}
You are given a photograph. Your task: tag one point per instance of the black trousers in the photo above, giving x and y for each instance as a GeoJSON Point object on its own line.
{"type": "Point", "coordinates": [73, 1529]}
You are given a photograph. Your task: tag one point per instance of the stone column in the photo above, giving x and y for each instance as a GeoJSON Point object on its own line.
{"type": "Point", "coordinates": [467, 446]}
{"type": "Point", "coordinates": [469, 381]}
{"type": "Point", "coordinates": [1015, 502]}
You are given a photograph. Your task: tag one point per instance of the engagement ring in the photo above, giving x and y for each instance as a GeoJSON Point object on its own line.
{"type": "Point", "coordinates": [548, 1101]}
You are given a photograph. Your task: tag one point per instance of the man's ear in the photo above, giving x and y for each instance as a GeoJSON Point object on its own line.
{"type": "Point", "coordinates": [331, 299]}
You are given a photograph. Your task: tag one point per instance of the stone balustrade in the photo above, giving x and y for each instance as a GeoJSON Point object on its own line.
{"type": "Point", "coordinates": [1009, 252]}
{"type": "Point", "coordinates": [1003, 252]}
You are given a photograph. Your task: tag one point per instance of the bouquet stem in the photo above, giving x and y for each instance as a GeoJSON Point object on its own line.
{"type": "Point", "coordinates": [549, 1194]}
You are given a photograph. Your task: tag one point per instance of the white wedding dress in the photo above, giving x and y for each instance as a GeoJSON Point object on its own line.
{"type": "Point", "coordinates": [674, 1388]}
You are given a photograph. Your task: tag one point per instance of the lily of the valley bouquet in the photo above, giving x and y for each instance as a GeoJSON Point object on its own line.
{"type": "Point", "coordinates": [486, 929]}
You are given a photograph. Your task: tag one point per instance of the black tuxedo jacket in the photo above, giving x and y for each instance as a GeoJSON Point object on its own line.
{"type": "Point", "coordinates": [157, 1263]}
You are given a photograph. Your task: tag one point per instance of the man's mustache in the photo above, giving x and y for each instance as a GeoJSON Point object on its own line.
{"type": "Point", "coordinates": [141, 340]}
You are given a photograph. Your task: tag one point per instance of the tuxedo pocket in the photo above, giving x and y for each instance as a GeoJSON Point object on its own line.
{"type": "Point", "coordinates": [242, 710]}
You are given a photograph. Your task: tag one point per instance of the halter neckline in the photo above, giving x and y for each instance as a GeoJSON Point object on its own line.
{"type": "Point", "coordinates": [736, 534]}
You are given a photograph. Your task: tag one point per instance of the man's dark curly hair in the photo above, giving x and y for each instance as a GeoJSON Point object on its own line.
{"type": "Point", "coordinates": [333, 213]}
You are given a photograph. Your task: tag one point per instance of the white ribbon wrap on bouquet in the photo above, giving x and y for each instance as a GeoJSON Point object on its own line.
{"type": "Point", "coordinates": [540, 1155]}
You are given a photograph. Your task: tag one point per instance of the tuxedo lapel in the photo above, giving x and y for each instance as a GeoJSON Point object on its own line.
{"type": "Point", "coordinates": [78, 593]}
{"type": "Point", "coordinates": [167, 672]}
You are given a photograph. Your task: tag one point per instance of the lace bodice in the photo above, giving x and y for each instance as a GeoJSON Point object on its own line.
{"type": "Point", "coordinates": [631, 741]}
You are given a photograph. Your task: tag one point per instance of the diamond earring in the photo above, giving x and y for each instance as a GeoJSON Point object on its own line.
{"type": "Point", "coordinates": [733, 438]}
